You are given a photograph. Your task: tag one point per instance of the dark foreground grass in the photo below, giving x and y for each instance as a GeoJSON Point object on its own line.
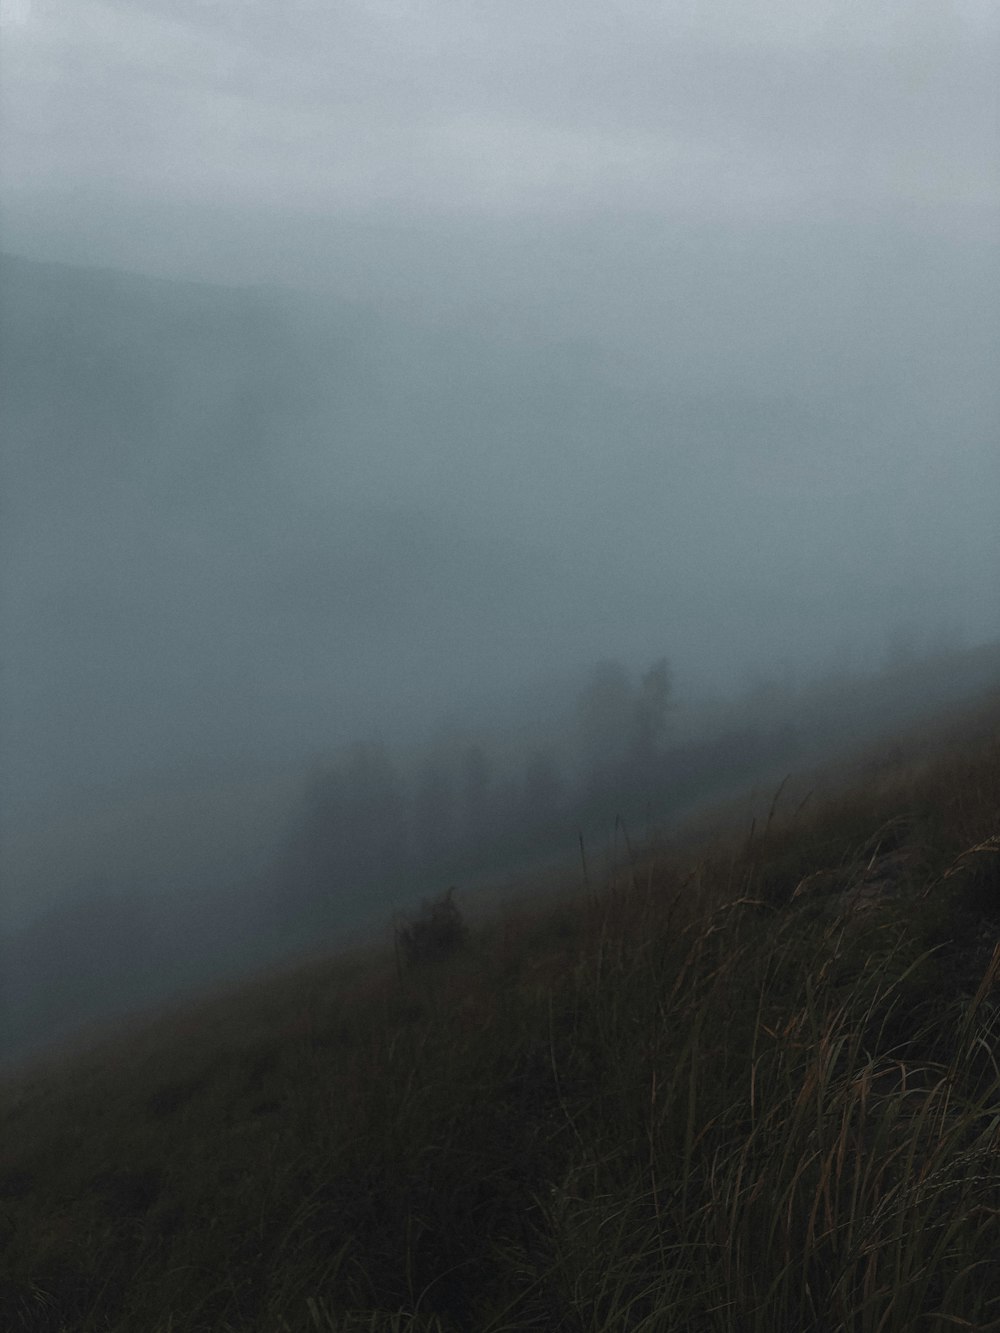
{"type": "Point", "coordinates": [749, 1087]}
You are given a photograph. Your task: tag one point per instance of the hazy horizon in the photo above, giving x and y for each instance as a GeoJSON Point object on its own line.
{"type": "Point", "coordinates": [401, 359]}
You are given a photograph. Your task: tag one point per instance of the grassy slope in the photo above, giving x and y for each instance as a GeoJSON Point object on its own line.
{"type": "Point", "coordinates": [751, 1084]}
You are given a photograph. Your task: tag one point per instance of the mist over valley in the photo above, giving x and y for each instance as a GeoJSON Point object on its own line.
{"type": "Point", "coordinates": [356, 426]}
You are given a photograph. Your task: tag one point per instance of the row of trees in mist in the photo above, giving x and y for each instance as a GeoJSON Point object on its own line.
{"type": "Point", "coordinates": [375, 829]}
{"type": "Point", "coordinates": [475, 803]}
{"type": "Point", "coordinates": [371, 820]}
{"type": "Point", "coordinates": [372, 829]}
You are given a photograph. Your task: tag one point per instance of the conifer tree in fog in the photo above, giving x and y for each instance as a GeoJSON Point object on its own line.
{"type": "Point", "coordinates": [649, 717]}
{"type": "Point", "coordinates": [541, 795]}
{"type": "Point", "coordinates": [476, 800]}
{"type": "Point", "coordinates": [604, 714]}
{"type": "Point", "coordinates": [433, 834]}
{"type": "Point", "coordinates": [315, 853]}
{"type": "Point", "coordinates": [644, 762]}
{"type": "Point", "coordinates": [622, 728]}
{"type": "Point", "coordinates": [604, 725]}
{"type": "Point", "coordinates": [375, 841]}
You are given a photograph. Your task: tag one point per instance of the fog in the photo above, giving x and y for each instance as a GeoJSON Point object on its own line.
{"type": "Point", "coordinates": [372, 372]}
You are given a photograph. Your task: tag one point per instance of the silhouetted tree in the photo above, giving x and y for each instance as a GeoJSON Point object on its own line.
{"type": "Point", "coordinates": [476, 800]}
{"type": "Point", "coordinates": [374, 814]}
{"type": "Point", "coordinates": [433, 831]}
{"type": "Point", "coordinates": [604, 719]}
{"type": "Point", "coordinates": [317, 849]}
{"type": "Point", "coordinates": [652, 703]}
{"type": "Point", "coordinates": [437, 932]}
{"type": "Point", "coordinates": [542, 794]}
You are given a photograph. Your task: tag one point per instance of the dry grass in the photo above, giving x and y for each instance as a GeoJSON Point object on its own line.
{"type": "Point", "coordinates": [731, 1090]}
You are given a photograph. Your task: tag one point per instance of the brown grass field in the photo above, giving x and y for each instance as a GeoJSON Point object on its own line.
{"type": "Point", "coordinates": [747, 1081]}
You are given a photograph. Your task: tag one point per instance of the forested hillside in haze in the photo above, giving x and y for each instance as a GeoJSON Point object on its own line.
{"type": "Point", "coordinates": [499, 652]}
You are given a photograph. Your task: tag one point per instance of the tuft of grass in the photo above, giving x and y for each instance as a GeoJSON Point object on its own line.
{"type": "Point", "coordinates": [752, 1084]}
{"type": "Point", "coordinates": [436, 933]}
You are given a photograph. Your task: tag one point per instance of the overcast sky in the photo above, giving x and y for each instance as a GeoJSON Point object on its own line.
{"type": "Point", "coordinates": [794, 200]}
{"type": "Point", "coordinates": [788, 207]}
{"type": "Point", "coordinates": [204, 122]}
{"type": "Point", "coordinates": [543, 332]}
{"type": "Point", "coordinates": [720, 282]}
